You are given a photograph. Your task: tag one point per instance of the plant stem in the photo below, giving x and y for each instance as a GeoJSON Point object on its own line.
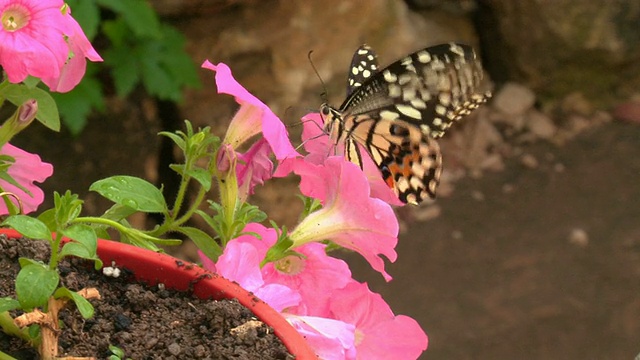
{"type": "Point", "coordinates": [10, 328]}
{"type": "Point", "coordinates": [98, 220]}
{"type": "Point", "coordinates": [55, 248]}
{"type": "Point", "coordinates": [4, 356]}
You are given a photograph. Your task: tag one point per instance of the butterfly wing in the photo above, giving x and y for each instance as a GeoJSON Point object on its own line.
{"type": "Point", "coordinates": [431, 88]}
{"type": "Point", "coordinates": [364, 65]}
{"type": "Point", "coordinates": [410, 161]}
{"type": "Point", "coordinates": [397, 112]}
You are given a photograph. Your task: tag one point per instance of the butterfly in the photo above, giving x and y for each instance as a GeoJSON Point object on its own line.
{"type": "Point", "coordinates": [396, 114]}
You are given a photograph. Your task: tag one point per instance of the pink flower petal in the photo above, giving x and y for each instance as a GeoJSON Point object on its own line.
{"type": "Point", "coordinates": [253, 117]}
{"type": "Point", "coordinates": [27, 169]}
{"type": "Point", "coordinates": [37, 46]}
{"type": "Point", "coordinates": [379, 333]}
{"type": "Point", "coordinates": [315, 276]}
{"type": "Point", "coordinates": [349, 217]}
{"type": "Point", "coordinates": [330, 339]}
{"type": "Point", "coordinates": [76, 66]}
{"type": "Point", "coordinates": [254, 167]}
{"type": "Point", "coordinates": [240, 262]}
{"type": "Point", "coordinates": [278, 296]}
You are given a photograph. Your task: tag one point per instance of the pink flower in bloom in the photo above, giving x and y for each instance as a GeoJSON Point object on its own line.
{"type": "Point", "coordinates": [379, 333]}
{"type": "Point", "coordinates": [254, 167]}
{"type": "Point", "coordinates": [76, 65]}
{"type": "Point", "coordinates": [315, 276]}
{"type": "Point", "coordinates": [330, 339]}
{"type": "Point", "coordinates": [26, 169]}
{"type": "Point", "coordinates": [349, 216]}
{"type": "Point", "coordinates": [240, 262]}
{"type": "Point", "coordinates": [37, 37]}
{"type": "Point", "coordinates": [253, 116]}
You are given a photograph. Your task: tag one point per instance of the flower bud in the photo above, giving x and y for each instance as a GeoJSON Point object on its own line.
{"type": "Point", "coordinates": [25, 114]}
{"type": "Point", "coordinates": [226, 157]}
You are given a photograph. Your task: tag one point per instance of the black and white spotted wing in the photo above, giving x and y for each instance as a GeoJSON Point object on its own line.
{"type": "Point", "coordinates": [396, 113]}
{"type": "Point", "coordinates": [364, 65]}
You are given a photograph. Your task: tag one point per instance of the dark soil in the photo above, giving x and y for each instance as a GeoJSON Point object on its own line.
{"type": "Point", "coordinates": [145, 322]}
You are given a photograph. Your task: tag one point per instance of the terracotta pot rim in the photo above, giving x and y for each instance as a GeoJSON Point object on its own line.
{"type": "Point", "coordinates": [153, 268]}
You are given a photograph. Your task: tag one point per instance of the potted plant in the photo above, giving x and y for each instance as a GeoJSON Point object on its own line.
{"type": "Point", "coordinates": [346, 206]}
{"type": "Point", "coordinates": [152, 268]}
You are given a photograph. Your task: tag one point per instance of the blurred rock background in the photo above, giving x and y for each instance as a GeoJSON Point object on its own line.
{"type": "Point", "coordinates": [565, 75]}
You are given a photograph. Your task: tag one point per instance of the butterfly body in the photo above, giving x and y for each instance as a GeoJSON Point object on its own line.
{"type": "Point", "coordinates": [395, 114]}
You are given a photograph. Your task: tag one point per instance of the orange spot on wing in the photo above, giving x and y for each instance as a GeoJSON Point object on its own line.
{"type": "Point", "coordinates": [406, 166]}
{"type": "Point", "coordinates": [390, 180]}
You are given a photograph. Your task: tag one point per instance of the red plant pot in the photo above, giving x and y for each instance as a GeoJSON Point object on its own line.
{"type": "Point", "coordinates": [153, 268]}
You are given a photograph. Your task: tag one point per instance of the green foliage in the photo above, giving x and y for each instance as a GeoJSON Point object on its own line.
{"type": "Point", "coordinates": [196, 146]}
{"type": "Point", "coordinates": [246, 213]}
{"type": "Point", "coordinates": [117, 353]}
{"type": "Point", "coordinates": [35, 283]}
{"type": "Point", "coordinates": [83, 305]}
{"type": "Point", "coordinates": [132, 192]}
{"type": "Point", "coordinates": [47, 113]}
{"type": "Point", "coordinates": [281, 248]}
{"type": "Point", "coordinates": [76, 105]}
{"type": "Point", "coordinates": [141, 50]}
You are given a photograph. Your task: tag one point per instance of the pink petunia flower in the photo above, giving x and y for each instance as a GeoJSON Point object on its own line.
{"type": "Point", "coordinates": [349, 217]}
{"type": "Point", "coordinates": [380, 334]}
{"type": "Point", "coordinates": [80, 49]}
{"type": "Point", "coordinates": [315, 275]}
{"type": "Point", "coordinates": [330, 339]}
{"type": "Point", "coordinates": [254, 167]}
{"type": "Point", "coordinates": [240, 262]}
{"type": "Point", "coordinates": [27, 169]}
{"type": "Point", "coordinates": [253, 116]}
{"type": "Point", "coordinates": [37, 37]}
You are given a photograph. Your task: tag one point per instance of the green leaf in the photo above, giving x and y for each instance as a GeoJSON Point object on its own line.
{"type": "Point", "coordinates": [75, 249]}
{"type": "Point", "coordinates": [178, 61]}
{"type": "Point", "coordinates": [34, 285]}
{"type": "Point", "coordinates": [203, 241]}
{"type": "Point", "coordinates": [202, 176]}
{"type": "Point", "coordinates": [157, 80]}
{"type": "Point", "coordinates": [48, 217]}
{"type": "Point", "coordinates": [29, 227]}
{"type": "Point", "coordinates": [83, 305]}
{"type": "Point", "coordinates": [179, 168]}
{"type": "Point", "coordinates": [76, 105]}
{"type": "Point", "coordinates": [140, 239]}
{"type": "Point", "coordinates": [83, 234]}
{"type": "Point", "coordinates": [138, 15]}
{"type": "Point", "coordinates": [8, 303]}
{"type": "Point", "coordinates": [9, 179]}
{"type": "Point", "coordinates": [176, 139]}
{"type": "Point", "coordinates": [23, 261]}
{"type": "Point", "coordinates": [116, 351]}
{"type": "Point", "coordinates": [131, 191]}
{"type": "Point", "coordinates": [86, 245]}
{"type": "Point", "coordinates": [47, 113]}
{"type": "Point", "coordinates": [125, 70]}
{"type": "Point", "coordinates": [31, 82]}
{"type": "Point", "coordinates": [87, 14]}
{"type": "Point", "coordinates": [118, 212]}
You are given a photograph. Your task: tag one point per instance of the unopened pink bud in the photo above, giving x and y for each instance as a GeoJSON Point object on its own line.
{"type": "Point", "coordinates": [226, 155]}
{"type": "Point", "coordinates": [28, 111]}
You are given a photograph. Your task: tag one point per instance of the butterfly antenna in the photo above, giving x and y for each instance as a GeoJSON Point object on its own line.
{"type": "Point", "coordinates": [323, 95]}
{"type": "Point", "coordinates": [310, 139]}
